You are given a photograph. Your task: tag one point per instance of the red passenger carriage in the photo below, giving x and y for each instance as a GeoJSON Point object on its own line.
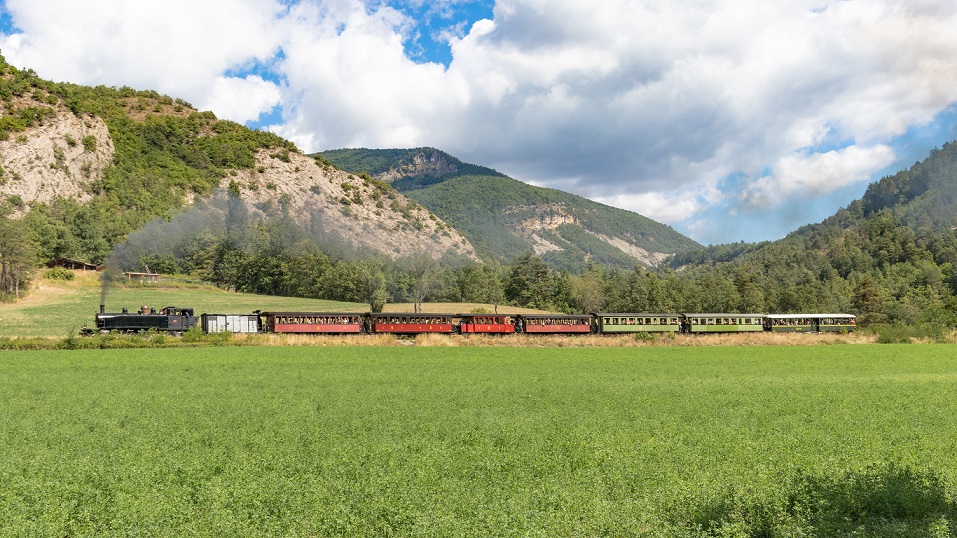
{"type": "Point", "coordinates": [313, 322]}
{"type": "Point", "coordinates": [486, 324]}
{"type": "Point", "coordinates": [404, 323]}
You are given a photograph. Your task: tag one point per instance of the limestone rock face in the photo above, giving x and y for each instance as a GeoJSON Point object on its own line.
{"type": "Point", "coordinates": [364, 213]}
{"type": "Point", "coordinates": [58, 158]}
{"type": "Point", "coordinates": [424, 163]}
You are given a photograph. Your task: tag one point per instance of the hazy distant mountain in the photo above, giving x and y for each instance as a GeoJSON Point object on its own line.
{"type": "Point", "coordinates": [503, 217]}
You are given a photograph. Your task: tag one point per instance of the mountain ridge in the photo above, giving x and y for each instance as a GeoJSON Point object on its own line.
{"type": "Point", "coordinates": [504, 217]}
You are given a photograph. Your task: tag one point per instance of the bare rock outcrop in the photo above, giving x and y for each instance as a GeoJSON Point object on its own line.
{"type": "Point", "coordinates": [364, 213]}
{"type": "Point", "coordinates": [425, 163]}
{"type": "Point", "coordinates": [58, 158]}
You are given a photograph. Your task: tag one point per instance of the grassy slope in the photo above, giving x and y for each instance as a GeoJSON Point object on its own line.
{"type": "Point", "coordinates": [550, 442]}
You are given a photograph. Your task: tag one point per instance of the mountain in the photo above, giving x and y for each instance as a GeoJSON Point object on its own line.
{"type": "Point", "coordinates": [504, 218]}
{"type": "Point", "coordinates": [888, 257]}
{"type": "Point", "coordinates": [84, 167]}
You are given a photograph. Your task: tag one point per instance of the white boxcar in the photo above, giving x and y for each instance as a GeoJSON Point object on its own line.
{"type": "Point", "coordinates": [233, 323]}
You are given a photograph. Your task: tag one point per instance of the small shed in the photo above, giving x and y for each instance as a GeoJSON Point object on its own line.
{"type": "Point", "coordinates": [142, 278]}
{"type": "Point", "coordinates": [68, 263]}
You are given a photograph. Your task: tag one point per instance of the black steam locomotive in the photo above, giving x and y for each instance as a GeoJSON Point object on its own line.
{"type": "Point", "coordinates": [170, 319]}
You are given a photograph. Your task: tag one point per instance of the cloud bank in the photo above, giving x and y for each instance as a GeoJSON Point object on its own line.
{"type": "Point", "coordinates": [688, 112]}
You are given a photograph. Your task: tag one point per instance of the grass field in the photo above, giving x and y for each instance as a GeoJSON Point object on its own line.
{"type": "Point", "coordinates": [303, 441]}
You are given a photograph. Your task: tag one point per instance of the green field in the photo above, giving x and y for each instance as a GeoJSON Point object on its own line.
{"type": "Point", "coordinates": [304, 441]}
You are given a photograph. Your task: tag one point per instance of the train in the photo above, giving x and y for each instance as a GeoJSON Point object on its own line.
{"type": "Point", "coordinates": [175, 321]}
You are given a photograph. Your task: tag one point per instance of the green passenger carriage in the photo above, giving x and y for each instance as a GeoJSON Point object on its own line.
{"type": "Point", "coordinates": [723, 323]}
{"type": "Point", "coordinates": [811, 323]}
{"type": "Point", "coordinates": [617, 323]}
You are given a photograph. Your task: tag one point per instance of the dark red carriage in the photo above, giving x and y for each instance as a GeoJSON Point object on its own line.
{"type": "Point", "coordinates": [405, 323]}
{"type": "Point", "coordinates": [486, 324]}
{"type": "Point", "coordinates": [313, 322]}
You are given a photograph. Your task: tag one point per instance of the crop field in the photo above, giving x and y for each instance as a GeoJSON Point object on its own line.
{"type": "Point", "coordinates": [361, 441]}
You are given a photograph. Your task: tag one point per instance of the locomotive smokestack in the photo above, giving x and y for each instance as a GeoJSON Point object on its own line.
{"type": "Point", "coordinates": [102, 309]}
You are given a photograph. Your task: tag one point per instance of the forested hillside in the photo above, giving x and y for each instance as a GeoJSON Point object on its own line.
{"type": "Point", "coordinates": [888, 257]}
{"type": "Point", "coordinates": [81, 168]}
{"type": "Point", "coordinates": [162, 155]}
{"type": "Point", "coordinates": [504, 218]}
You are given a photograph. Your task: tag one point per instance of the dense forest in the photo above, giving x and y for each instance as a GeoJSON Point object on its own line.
{"type": "Point", "coordinates": [888, 257]}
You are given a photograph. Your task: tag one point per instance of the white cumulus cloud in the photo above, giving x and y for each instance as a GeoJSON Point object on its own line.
{"type": "Point", "coordinates": [807, 175]}
{"type": "Point", "coordinates": [242, 99]}
{"type": "Point", "coordinates": [636, 102]}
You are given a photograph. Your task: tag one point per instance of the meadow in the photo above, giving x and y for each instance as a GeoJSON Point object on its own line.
{"type": "Point", "coordinates": [435, 441]}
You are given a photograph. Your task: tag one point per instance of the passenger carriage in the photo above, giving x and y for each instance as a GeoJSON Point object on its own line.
{"type": "Point", "coordinates": [723, 323]}
{"type": "Point", "coordinates": [811, 323]}
{"type": "Point", "coordinates": [486, 324]}
{"type": "Point", "coordinates": [404, 323]}
{"type": "Point", "coordinates": [554, 323]}
{"type": "Point", "coordinates": [313, 322]}
{"type": "Point", "coordinates": [609, 323]}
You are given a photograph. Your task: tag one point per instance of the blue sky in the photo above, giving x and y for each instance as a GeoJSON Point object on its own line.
{"type": "Point", "coordinates": [727, 119]}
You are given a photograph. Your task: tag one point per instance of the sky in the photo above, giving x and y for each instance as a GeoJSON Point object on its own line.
{"type": "Point", "coordinates": [729, 120]}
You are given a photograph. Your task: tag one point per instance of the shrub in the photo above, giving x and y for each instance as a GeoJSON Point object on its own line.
{"type": "Point", "coordinates": [642, 336]}
{"type": "Point", "coordinates": [59, 273]}
{"type": "Point", "coordinates": [89, 143]}
{"type": "Point", "coordinates": [892, 334]}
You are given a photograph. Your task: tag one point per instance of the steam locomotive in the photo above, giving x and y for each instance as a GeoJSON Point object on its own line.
{"type": "Point", "coordinates": [173, 320]}
{"type": "Point", "coordinates": [170, 319]}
